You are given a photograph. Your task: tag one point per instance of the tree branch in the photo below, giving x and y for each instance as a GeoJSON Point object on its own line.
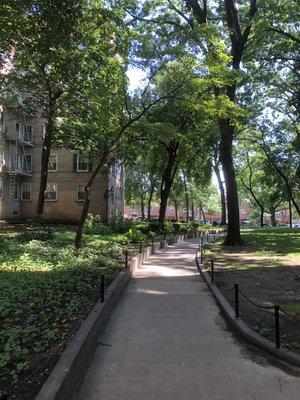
{"type": "Point", "coordinates": [286, 34]}
{"type": "Point", "coordinates": [199, 12]}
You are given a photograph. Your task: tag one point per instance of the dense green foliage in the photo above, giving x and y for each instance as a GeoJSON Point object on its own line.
{"type": "Point", "coordinates": [47, 287]}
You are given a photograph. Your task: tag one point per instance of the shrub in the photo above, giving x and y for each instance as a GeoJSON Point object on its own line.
{"type": "Point", "coordinates": [41, 234]}
{"type": "Point", "coordinates": [155, 226]}
{"type": "Point", "coordinates": [94, 226]}
{"type": "Point", "coordinates": [135, 236]}
{"type": "Point", "coordinates": [120, 225]}
{"type": "Point", "coordinates": [143, 227]}
{"type": "Point", "coordinates": [168, 227]}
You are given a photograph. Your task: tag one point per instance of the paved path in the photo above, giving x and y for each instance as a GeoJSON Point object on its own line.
{"type": "Point", "coordinates": [167, 341]}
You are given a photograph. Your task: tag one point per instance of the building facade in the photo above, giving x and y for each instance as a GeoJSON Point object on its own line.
{"type": "Point", "coordinates": [21, 142]}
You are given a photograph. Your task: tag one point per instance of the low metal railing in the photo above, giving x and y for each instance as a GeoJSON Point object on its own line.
{"type": "Point", "coordinates": [238, 291]}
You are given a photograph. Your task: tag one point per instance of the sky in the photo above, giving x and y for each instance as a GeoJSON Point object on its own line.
{"type": "Point", "coordinates": [135, 76]}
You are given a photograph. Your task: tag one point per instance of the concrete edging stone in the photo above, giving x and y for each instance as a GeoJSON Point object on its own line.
{"type": "Point", "coordinates": [241, 326]}
{"type": "Point", "coordinates": [71, 367]}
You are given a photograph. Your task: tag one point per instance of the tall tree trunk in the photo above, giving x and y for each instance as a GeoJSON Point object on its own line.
{"type": "Point", "coordinates": [186, 193]}
{"type": "Point", "coordinates": [150, 199]}
{"type": "Point", "coordinates": [222, 194]}
{"type": "Point", "coordinates": [87, 199]}
{"type": "Point", "coordinates": [262, 217]}
{"type": "Point", "coordinates": [142, 205]}
{"type": "Point", "coordinates": [203, 213]}
{"type": "Point", "coordinates": [273, 217]}
{"type": "Point", "coordinates": [238, 39]}
{"type": "Point", "coordinates": [255, 198]}
{"type": "Point", "coordinates": [176, 210]}
{"type": "Point", "coordinates": [168, 178]}
{"type": "Point", "coordinates": [193, 211]}
{"type": "Point", "coordinates": [290, 213]}
{"type": "Point", "coordinates": [46, 149]}
{"type": "Point", "coordinates": [233, 237]}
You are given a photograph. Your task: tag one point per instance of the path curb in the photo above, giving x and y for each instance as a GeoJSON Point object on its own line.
{"type": "Point", "coordinates": [71, 367]}
{"type": "Point", "coordinates": [241, 326]}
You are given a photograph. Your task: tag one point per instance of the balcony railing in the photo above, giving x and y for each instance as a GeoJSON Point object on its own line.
{"type": "Point", "coordinates": [25, 137]}
{"type": "Point", "coordinates": [21, 167]}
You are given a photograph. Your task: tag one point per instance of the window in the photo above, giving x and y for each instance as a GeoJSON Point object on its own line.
{"type": "Point", "coordinates": [51, 192]}
{"type": "Point", "coordinates": [26, 163]}
{"type": "Point", "coordinates": [27, 134]}
{"type": "Point", "coordinates": [1, 188]}
{"type": "Point", "coordinates": [80, 192]}
{"type": "Point", "coordinates": [53, 162]}
{"type": "Point", "coordinates": [2, 161]}
{"type": "Point", "coordinates": [26, 191]}
{"type": "Point", "coordinates": [82, 163]}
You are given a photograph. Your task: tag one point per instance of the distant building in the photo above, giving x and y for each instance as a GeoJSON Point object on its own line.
{"type": "Point", "coordinates": [21, 142]}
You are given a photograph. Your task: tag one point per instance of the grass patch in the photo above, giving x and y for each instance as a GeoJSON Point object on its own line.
{"type": "Point", "coordinates": [46, 290]}
{"type": "Point", "coordinates": [291, 307]}
{"type": "Point", "coordinates": [277, 246]}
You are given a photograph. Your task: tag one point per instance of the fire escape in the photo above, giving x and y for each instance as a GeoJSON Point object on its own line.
{"type": "Point", "coordinates": [20, 161]}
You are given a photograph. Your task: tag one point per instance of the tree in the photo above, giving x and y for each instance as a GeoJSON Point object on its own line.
{"type": "Point", "coordinates": [53, 68]}
{"type": "Point", "coordinates": [219, 35]}
{"type": "Point", "coordinates": [216, 168]}
{"type": "Point", "coordinates": [178, 129]}
{"type": "Point", "coordinates": [103, 129]}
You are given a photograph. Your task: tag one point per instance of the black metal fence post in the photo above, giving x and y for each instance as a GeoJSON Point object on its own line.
{"type": "Point", "coordinates": [214, 235]}
{"type": "Point", "coordinates": [141, 248]}
{"type": "Point", "coordinates": [201, 255]}
{"type": "Point", "coordinates": [126, 259]}
{"type": "Point", "coordinates": [212, 263]}
{"type": "Point", "coordinates": [207, 237]}
{"type": "Point", "coordinates": [152, 240]}
{"type": "Point", "coordinates": [277, 327]}
{"type": "Point", "coordinates": [236, 300]}
{"type": "Point", "coordinates": [102, 288]}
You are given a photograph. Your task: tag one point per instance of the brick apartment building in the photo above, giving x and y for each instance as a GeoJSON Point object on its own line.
{"type": "Point", "coordinates": [132, 213]}
{"type": "Point", "coordinates": [21, 142]}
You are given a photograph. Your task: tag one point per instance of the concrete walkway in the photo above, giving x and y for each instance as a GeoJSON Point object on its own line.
{"type": "Point", "coordinates": [167, 341]}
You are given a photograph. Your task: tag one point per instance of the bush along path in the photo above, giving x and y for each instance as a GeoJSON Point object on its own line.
{"type": "Point", "coordinates": [46, 290]}
{"type": "Point", "coordinates": [167, 340]}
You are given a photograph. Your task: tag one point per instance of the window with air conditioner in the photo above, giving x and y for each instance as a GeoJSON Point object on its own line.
{"type": "Point", "coordinates": [51, 192]}
{"type": "Point", "coordinates": [80, 192]}
{"type": "Point", "coordinates": [26, 191]}
{"type": "Point", "coordinates": [53, 162]}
